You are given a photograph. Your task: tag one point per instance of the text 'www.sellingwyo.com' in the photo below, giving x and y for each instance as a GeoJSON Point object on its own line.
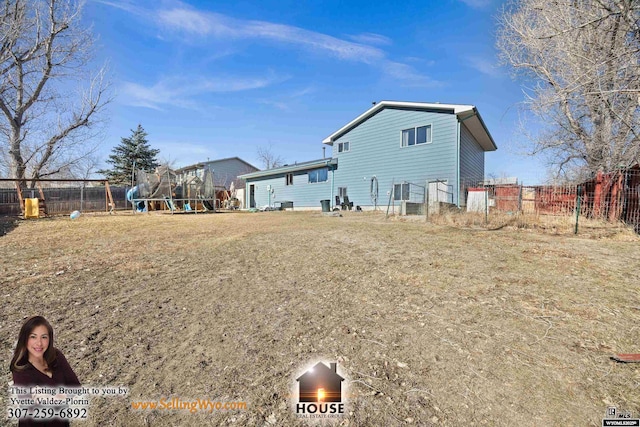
{"type": "Point", "coordinates": [191, 405]}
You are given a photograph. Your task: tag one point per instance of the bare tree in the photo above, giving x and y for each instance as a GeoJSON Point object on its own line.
{"type": "Point", "coordinates": [268, 158]}
{"type": "Point", "coordinates": [582, 61]}
{"type": "Point", "coordinates": [45, 126]}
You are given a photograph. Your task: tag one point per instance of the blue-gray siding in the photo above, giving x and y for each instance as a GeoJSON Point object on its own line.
{"type": "Point", "coordinates": [303, 193]}
{"type": "Point", "coordinates": [471, 161]}
{"type": "Point", "coordinates": [375, 149]}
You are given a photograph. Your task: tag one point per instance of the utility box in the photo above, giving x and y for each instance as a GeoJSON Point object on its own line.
{"type": "Point", "coordinates": [31, 208]}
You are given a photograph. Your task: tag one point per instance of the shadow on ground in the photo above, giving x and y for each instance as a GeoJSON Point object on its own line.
{"type": "Point", "coordinates": [7, 224]}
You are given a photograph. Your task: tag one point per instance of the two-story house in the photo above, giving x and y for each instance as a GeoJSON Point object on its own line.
{"type": "Point", "coordinates": [225, 171]}
{"type": "Point", "coordinates": [393, 152]}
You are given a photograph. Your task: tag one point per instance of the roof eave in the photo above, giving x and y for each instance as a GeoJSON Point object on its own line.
{"type": "Point", "coordinates": [289, 168]}
{"type": "Point", "coordinates": [478, 129]}
{"type": "Point", "coordinates": [453, 108]}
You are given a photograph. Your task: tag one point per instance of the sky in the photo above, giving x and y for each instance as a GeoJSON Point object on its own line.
{"type": "Point", "coordinates": [211, 80]}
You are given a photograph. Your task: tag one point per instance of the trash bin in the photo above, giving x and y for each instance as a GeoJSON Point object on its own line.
{"type": "Point", "coordinates": [326, 205]}
{"type": "Point", "coordinates": [31, 208]}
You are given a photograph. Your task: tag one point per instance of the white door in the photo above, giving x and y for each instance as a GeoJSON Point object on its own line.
{"type": "Point", "coordinates": [439, 192]}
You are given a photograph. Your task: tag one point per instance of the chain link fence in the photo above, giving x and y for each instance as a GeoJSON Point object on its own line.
{"type": "Point", "coordinates": [609, 199]}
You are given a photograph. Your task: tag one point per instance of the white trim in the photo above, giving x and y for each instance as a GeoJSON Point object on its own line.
{"type": "Point", "coordinates": [415, 135]}
{"type": "Point", "coordinates": [342, 143]}
{"type": "Point", "coordinates": [290, 168]}
{"type": "Point", "coordinates": [316, 171]}
{"type": "Point", "coordinates": [464, 112]}
{"type": "Point", "coordinates": [403, 184]}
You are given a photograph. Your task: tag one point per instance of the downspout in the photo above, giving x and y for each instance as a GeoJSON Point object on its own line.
{"type": "Point", "coordinates": [475, 113]}
{"type": "Point", "coordinates": [333, 200]}
{"type": "Point", "coordinates": [458, 165]}
{"type": "Point", "coordinates": [332, 167]}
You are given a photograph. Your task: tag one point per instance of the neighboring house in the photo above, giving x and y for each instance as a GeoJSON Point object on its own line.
{"type": "Point", "coordinates": [225, 171]}
{"type": "Point", "coordinates": [393, 150]}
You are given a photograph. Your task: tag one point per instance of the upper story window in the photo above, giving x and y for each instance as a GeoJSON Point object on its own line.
{"type": "Point", "coordinates": [417, 135]}
{"type": "Point", "coordinates": [319, 175]}
{"type": "Point", "coordinates": [343, 147]}
{"type": "Point", "coordinates": [289, 179]}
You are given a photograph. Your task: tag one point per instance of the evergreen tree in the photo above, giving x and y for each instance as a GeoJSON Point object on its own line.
{"type": "Point", "coordinates": [133, 149]}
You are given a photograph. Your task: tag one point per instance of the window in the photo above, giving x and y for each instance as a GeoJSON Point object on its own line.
{"type": "Point", "coordinates": [401, 191]}
{"type": "Point", "coordinates": [343, 147]}
{"type": "Point", "coordinates": [319, 175]}
{"type": "Point", "coordinates": [408, 137]}
{"type": "Point", "coordinates": [288, 179]}
{"type": "Point", "coordinates": [417, 135]}
{"type": "Point", "coordinates": [423, 134]}
{"type": "Point", "coordinates": [342, 191]}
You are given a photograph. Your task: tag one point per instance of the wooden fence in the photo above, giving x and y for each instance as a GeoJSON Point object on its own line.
{"type": "Point", "coordinates": [64, 200]}
{"type": "Point", "coordinates": [612, 197]}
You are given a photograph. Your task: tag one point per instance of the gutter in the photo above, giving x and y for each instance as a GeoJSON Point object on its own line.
{"type": "Point", "coordinates": [287, 169]}
{"type": "Point", "coordinates": [458, 165]}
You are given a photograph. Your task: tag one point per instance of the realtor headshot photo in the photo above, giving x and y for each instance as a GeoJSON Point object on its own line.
{"type": "Point", "coordinates": [37, 362]}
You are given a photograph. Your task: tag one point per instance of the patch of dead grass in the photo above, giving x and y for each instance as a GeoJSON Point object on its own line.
{"type": "Point", "coordinates": [551, 224]}
{"type": "Point", "coordinates": [431, 324]}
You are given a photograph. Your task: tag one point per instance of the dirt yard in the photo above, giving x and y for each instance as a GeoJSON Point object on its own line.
{"type": "Point", "coordinates": [431, 325]}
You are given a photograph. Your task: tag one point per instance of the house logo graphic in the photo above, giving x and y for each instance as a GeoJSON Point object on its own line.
{"type": "Point", "coordinates": [320, 392]}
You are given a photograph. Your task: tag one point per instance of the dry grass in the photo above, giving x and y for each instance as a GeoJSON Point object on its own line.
{"type": "Point", "coordinates": [551, 224]}
{"type": "Point", "coordinates": [431, 324]}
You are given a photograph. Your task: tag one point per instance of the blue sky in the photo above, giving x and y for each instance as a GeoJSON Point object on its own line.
{"type": "Point", "coordinates": [211, 80]}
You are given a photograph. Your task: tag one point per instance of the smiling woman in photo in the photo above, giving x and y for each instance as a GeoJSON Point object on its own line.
{"type": "Point", "coordinates": [36, 362]}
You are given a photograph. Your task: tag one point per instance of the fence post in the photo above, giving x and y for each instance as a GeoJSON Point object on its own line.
{"type": "Point", "coordinates": [578, 198]}
{"type": "Point", "coordinates": [486, 205]}
{"type": "Point", "coordinates": [520, 199]}
{"type": "Point", "coordinates": [426, 200]}
{"type": "Point", "coordinates": [393, 181]}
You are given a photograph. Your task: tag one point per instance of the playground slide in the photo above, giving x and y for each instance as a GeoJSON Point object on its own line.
{"type": "Point", "coordinates": [133, 194]}
{"type": "Point", "coordinates": [208, 205]}
{"type": "Point", "coordinates": [169, 203]}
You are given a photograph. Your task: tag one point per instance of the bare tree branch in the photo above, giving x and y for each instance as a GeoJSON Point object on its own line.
{"type": "Point", "coordinates": [43, 49]}
{"type": "Point", "coordinates": [268, 158]}
{"type": "Point", "coordinates": [585, 58]}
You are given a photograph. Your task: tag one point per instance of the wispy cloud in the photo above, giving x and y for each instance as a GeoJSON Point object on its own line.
{"type": "Point", "coordinates": [287, 102]}
{"type": "Point", "coordinates": [213, 24]}
{"type": "Point", "coordinates": [126, 5]}
{"type": "Point", "coordinates": [371, 38]}
{"type": "Point", "coordinates": [209, 24]}
{"type": "Point", "coordinates": [180, 91]}
{"type": "Point", "coordinates": [408, 75]}
{"type": "Point", "coordinates": [477, 4]}
{"type": "Point", "coordinates": [484, 65]}
{"type": "Point", "coordinates": [208, 27]}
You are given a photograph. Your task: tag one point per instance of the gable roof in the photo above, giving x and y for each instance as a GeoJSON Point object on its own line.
{"type": "Point", "coordinates": [465, 113]}
{"type": "Point", "coordinates": [212, 162]}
